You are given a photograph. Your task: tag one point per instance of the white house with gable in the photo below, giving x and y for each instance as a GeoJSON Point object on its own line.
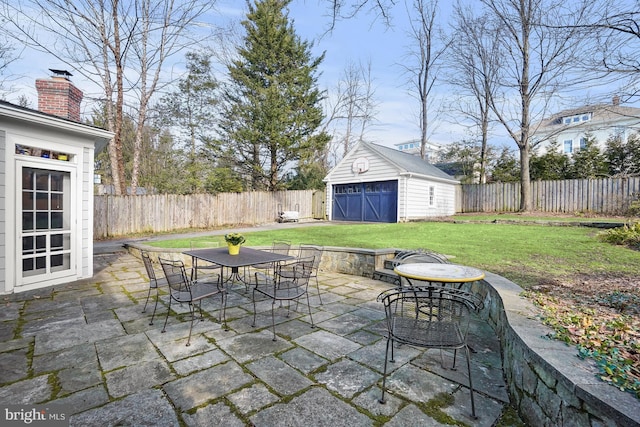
{"type": "Point", "coordinates": [571, 127]}
{"type": "Point", "coordinates": [46, 189]}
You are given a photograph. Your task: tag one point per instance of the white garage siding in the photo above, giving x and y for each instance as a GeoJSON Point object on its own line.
{"type": "Point", "coordinates": [415, 197]}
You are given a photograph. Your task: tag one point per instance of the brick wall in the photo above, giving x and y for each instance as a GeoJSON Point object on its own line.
{"type": "Point", "coordinates": [58, 96]}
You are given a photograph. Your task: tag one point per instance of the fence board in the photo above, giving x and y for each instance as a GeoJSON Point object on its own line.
{"type": "Point", "coordinates": [122, 215]}
{"type": "Point", "coordinates": [607, 196]}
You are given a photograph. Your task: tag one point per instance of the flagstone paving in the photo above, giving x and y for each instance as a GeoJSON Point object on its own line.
{"type": "Point", "coordinates": [88, 346]}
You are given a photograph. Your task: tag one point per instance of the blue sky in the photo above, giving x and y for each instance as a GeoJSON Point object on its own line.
{"type": "Point", "coordinates": [360, 39]}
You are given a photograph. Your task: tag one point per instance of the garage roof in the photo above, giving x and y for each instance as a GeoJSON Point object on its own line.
{"type": "Point", "coordinates": [408, 162]}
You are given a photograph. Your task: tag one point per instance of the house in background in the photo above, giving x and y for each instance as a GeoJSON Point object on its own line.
{"type": "Point", "coordinates": [46, 188]}
{"type": "Point", "coordinates": [432, 150]}
{"type": "Point", "coordinates": [570, 127]}
{"type": "Point", "coordinates": [381, 184]}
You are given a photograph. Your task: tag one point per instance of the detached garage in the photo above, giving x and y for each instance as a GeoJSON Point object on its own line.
{"type": "Point", "coordinates": [374, 183]}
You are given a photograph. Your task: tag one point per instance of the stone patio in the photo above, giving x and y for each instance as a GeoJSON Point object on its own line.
{"type": "Point", "coordinates": [88, 346]}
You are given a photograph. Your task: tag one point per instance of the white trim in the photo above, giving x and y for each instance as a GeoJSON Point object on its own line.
{"type": "Point", "coordinates": [75, 188]}
{"type": "Point", "coordinates": [52, 121]}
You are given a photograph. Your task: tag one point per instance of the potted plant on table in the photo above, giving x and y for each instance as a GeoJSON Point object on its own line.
{"type": "Point", "coordinates": [234, 240]}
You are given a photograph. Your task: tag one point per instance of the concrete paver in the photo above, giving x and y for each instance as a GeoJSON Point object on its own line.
{"type": "Point", "coordinates": [87, 345]}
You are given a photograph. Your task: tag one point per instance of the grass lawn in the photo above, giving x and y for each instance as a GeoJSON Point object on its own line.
{"type": "Point", "coordinates": [525, 254]}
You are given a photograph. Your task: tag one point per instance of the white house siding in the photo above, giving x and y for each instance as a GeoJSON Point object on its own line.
{"type": "Point", "coordinates": [415, 191]}
{"type": "Point", "coordinates": [3, 212]}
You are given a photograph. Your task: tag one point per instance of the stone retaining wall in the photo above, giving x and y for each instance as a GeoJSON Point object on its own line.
{"type": "Point", "coordinates": [548, 384]}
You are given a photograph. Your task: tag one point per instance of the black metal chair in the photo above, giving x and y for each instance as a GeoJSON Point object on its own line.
{"type": "Point", "coordinates": [154, 283]}
{"type": "Point", "coordinates": [428, 317]}
{"type": "Point", "coordinates": [204, 269]}
{"type": "Point", "coordinates": [277, 247]}
{"type": "Point", "coordinates": [290, 282]}
{"type": "Point", "coordinates": [183, 290]}
{"type": "Point", "coordinates": [306, 251]}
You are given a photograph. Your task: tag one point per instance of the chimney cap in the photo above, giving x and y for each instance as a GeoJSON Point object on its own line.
{"type": "Point", "coordinates": [61, 73]}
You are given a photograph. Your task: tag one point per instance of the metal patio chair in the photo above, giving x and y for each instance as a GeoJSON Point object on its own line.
{"type": "Point", "coordinates": [428, 317]}
{"type": "Point", "coordinates": [183, 290]}
{"type": "Point", "coordinates": [314, 251]}
{"type": "Point", "coordinates": [290, 282]}
{"type": "Point", "coordinates": [204, 268]}
{"type": "Point", "coordinates": [277, 247]}
{"type": "Point", "coordinates": [154, 283]}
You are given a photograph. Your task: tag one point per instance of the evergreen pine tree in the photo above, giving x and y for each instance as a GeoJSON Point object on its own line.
{"type": "Point", "coordinates": [588, 161]}
{"type": "Point", "coordinates": [272, 106]}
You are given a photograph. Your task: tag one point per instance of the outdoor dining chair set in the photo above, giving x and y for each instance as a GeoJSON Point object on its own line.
{"type": "Point", "coordinates": [278, 281]}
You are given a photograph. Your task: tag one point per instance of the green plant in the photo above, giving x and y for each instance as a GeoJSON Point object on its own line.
{"type": "Point", "coordinates": [234, 238]}
{"type": "Point", "coordinates": [628, 234]}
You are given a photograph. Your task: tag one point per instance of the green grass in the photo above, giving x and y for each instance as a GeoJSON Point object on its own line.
{"type": "Point", "coordinates": [525, 254]}
{"type": "Point", "coordinates": [521, 217]}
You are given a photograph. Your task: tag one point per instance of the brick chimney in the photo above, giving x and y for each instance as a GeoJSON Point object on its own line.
{"type": "Point", "coordinates": [58, 96]}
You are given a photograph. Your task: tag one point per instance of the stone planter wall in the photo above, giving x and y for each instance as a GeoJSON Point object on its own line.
{"type": "Point", "coordinates": [548, 384]}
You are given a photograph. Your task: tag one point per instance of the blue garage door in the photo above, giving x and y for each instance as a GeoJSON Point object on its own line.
{"type": "Point", "coordinates": [369, 201]}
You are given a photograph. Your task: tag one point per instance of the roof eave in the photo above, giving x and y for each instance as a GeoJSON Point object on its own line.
{"type": "Point", "coordinates": [99, 135]}
{"type": "Point", "coordinates": [430, 177]}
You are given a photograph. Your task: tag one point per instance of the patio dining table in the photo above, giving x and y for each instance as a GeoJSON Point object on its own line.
{"type": "Point", "coordinates": [452, 274]}
{"type": "Point", "coordinates": [232, 263]}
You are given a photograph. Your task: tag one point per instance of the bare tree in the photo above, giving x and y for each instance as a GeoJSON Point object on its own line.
{"type": "Point", "coordinates": [345, 9]}
{"type": "Point", "coordinates": [119, 45]}
{"type": "Point", "coordinates": [351, 109]}
{"type": "Point", "coordinates": [7, 56]}
{"type": "Point", "coordinates": [474, 64]}
{"type": "Point", "coordinates": [159, 35]}
{"type": "Point", "coordinates": [537, 41]}
{"type": "Point", "coordinates": [614, 42]}
{"type": "Point", "coordinates": [425, 60]}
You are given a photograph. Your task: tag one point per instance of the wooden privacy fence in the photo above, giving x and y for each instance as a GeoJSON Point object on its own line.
{"type": "Point", "coordinates": [610, 196]}
{"type": "Point", "coordinates": [122, 215]}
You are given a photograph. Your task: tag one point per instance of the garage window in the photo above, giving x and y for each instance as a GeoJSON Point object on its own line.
{"type": "Point", "coordinates": [432, 195]}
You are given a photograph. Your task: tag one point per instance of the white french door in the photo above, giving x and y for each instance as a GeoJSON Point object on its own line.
{"type": "Point", "coordinates": [45, 240]}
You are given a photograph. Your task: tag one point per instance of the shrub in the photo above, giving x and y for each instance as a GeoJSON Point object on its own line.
{"type": "Point", "coordinates": [629, 235]}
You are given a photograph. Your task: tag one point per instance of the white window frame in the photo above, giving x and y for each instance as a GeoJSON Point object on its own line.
{"type": "Point", "coordinates": [568, 143]}
{"type": "Point", "coordinates": [32, 162]}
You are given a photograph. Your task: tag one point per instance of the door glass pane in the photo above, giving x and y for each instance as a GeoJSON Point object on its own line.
{"type": "Point", "coordinates": [56, 242]}
{"type": "Point", "coordinates": [27, 221]}
{"type": "Point", "coordinates": [27, 244]}
{"type": "Point", "coordinates": [60, 262]}
{"type": "Point", "coordinates": [27, 200]}
{"type": "Point", "coordinates": [42, 181]}
{"type": "Point", "coordinates": [56, 202]}
{"type": "Point", "coordinates": [56, 220]}
{"type": "Point", "coordinates": [42, 220]}
{"type": "Point", "coordinates": [57, 181]}
{"type": "Point", "coordinates": [41, 262]}
{"type": "Point", "coordinates": [41, 244]}
{"type": "Point", "coordinates": [27, 180]}
{"type": "Point", "coordinates": [42, 201]}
